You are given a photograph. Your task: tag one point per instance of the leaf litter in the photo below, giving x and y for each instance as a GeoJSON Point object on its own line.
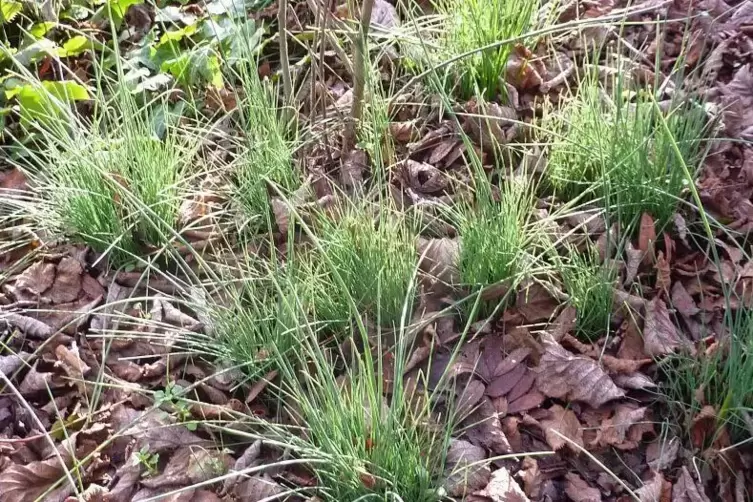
{"type": "Point", "coordinates": [525, 389]}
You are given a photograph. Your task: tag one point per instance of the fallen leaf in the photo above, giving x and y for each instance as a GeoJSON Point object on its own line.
{"type": "Point", "coordinates": [660, 336]}
{"type": "Point", "coordinates": [532, 478]}
{"type": "Point", "coordinates": [646, 235]}
{"type": "Point", "coordinates": [503, 488]}
{"type": "Point", "coordinates": [651, 491]}
{"type": "Point", "coordinates": [465, 471]}
{"type": "Point", "coordinates": [423, 177]}
{"type": "Point", "coordinates": [190, 465]}
{"type": "Point", "coordinates": [682, 301]}
{"type": "Point", "coordinates": [37, 278]}
{"type": "Point", "coordinates": [11, 363]}
{"type": "Point", "coordinates": [351, 170]}
{"type": "Point", "coordinates": [67, 285]}
{"type": "Point", "coordinates": [439, 259]}
{"type": "Point", "coordinates": [562, 374]}
{"type": "Point", "coordinates": [403, 132]}
{"type": "Point", "coordinates": [634, 259]}
{"type": "Point", "coordinates": [27, 483]}
{"type": "Point", "coordinates": [29, 326]}
{"type": "Point", "coordinates": [485, 429]}
{"type": "Point", "coordinates": [535, 303]}
{"type": "Point", "coordinates": [562, 422]}
{"type": "Point", "coordinates": [687, 490]}
{"type": "Point", "coordinates": [579, 490]}
{"type": "Point", "coordinates": [468, 396]}
{"type": "Point", "coordinates": [12, 180]}
{"type": "Point", "coordinates": [529, 401]}
{"type": "Point", "coordinates": [258, 488]}
{"type": "Point", "coordinates": [660, 455]}
{"type": "Point", "coordinates": [384, 14]}
{"type": "Point", "coordinates": [634, 381]}
{"type": "Point", "coordinates": [614, 430]}
{"type": "Point", "coordinates": [703, 426]}
{"type": "Point", "coordinates": [503, 384]}
{"type": "Point", "coordinates": [663, 274]}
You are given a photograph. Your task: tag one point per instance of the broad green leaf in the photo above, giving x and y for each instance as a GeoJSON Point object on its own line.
{"type": "Point", "coordinates": [9, 9]}
{"type": "Point", "coordinates": [173, 14]}
{"type": "Point", "coordinates": [79, 44]}
{"type": "Point", "coordinates": [177, 35]}
{"type": "Point", "coordinates": [196, 66]}
{"type": "Point", "coordinates": [36, 51]}
{"type": "Point", "coordinates": [232, 8]}
{"type": "Point", "coordinates": [39, 30]}
{"type": "Point", "coordinates": [47, 102]}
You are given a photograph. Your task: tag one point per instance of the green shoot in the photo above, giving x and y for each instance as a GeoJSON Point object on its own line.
{"type": "Point", "coordinates": [495, 233]}
{"type": "Point", "coordinates": [589, 285]}
{"type": "Point", "coordinates": [720, 377]}
{"type": "Point", "coordinates": [472, 24]}
{"type": "Point", "coordinates": [374, 256]}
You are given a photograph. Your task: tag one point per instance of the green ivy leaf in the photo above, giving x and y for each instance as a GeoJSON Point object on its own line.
{"type": "Point", "coordinates": [195, 66]}
{"type": "Point", "coordinates": [9, 9]}
{"type": "Point", "coordinates": [177, 35]}
{"type": "Point", "coordinates": [47, 102]}
{"type": "Point", "coordinates": [79, 44]}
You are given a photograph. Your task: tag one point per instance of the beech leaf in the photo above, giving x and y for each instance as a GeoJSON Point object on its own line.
{"type": "Point", "coordinates": [567, 376]}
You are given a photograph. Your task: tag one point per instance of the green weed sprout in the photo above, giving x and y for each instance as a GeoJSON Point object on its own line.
{"type": "Point", "coordinates": [266, 154]}
{"type": "Point", "coordinates": [472, 24]}
{"type": "Point", "coordinates": [114, 184]}
{"type": "Point", "coordinates": [589, 285]}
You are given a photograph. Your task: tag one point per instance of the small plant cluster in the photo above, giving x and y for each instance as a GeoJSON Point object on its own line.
{"type": "Point", "coordinates": [470, 25]}
{"type": "Point", "coordinates": [719, 377]}
{"type": "Point", "coordinates": [495, 232]}
{"type": "Point", "coordinates": [628, 154]}
{"type": "Point", "coordinates": [118, 188]}
{"type": "Point", "coordinates": [589, 285]}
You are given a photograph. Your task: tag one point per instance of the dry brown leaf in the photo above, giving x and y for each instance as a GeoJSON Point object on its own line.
{"type": "Point", "coordinates": [634, 259]}
{"type": "Point", "coordinates": [485, 428]}
{"type": "Point", "coordinates": [535, 303]}
{"type": "Point", "coordinates": [465, 471]}
{"type": "Point", "coordinates": [532, 478]}
{"type": "Point", "coordinates": [624, 366]}
{"type": "Point", "coordinates": [351, 170]}
{"type": "Point", "coordinates": [660, 455]}
{"type": "Point", "coordinates": [652, 490]}
{"type": "Point", "coordinates": [614, 430]}
{"type": "Point", "coordinates": [403, 132]}
{"type": "Point", "coordinates": [67, 285]}
{"type": "Point", "coordinates": [562, 422]}
{"type": "Point", "coordinates": [11, 363]}
{"type": "Point", "coordinates": [564, 375]}
{"type": "Point", "coordinates": [29, 326]}
{"type": "Point", "coordinates": [529, 401]}
{"type": "Point", "coordinates": [423, 177]}
{"type": "Point", "coordinates": [647, 235]}
{"type": "Point", "coordinates": [257, 488]}
{"type": "Point", "coordinates": [26, 483]}
{"type": "Point", "coordinates": [660, 336]}
{"type": "Point", "coordinates": [682, 301]}
{"type": "Point", "coordinates": [663, 274]}
{"type": "Point", "coordinates": [38, 278]}
{"type": "Point", "coordinates": [687, 490]}
{"type": "Point", "coordinates": [703, 426]}
{"type": "Point", "coordinates": [468, 397]}
{"type": "Point", "coordinates": [503, 384]}
{"type": "Point", "coordinates": [579, 490]}
{"type": "Point", "coordinates": [440, 259]}
{"type": "Point", "coordinates": [503, 488]}
{"type": "Point", "coordinates": [384, 14]}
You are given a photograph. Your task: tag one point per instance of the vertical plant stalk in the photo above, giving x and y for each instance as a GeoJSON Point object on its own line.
{"type": "Point", "coordinates": [287, 83]}
{"type": "Point", "coordinates": [359, 75]}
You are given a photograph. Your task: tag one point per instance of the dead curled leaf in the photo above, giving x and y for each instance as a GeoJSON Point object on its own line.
{"type": "Point", "coordinates": [579, 490]}
{"type": "Point", "coordinates": [562, 425]}
{"type": "Point", "coordinates": [687, 490]}
{"type": "Point", "coordinates": [503, 488]}
{"type": "Point", "coordinates": [660, 336]}
{"type": "Point", "coordinates": [465, 472]}
{"type": "Point", "coordinates": [26, 483]}
{"type": "Point", "coordinates": [564, 375]}
{"type": "Point", "coordinates": [423, 177]}
{"type": "Point", "coordinates": [190, 465]}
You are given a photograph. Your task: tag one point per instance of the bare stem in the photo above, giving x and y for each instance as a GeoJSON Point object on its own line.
{"type": "Point", "coordinates": [359, 74]}
{"type": "Point", "coordinates": [287, 83]}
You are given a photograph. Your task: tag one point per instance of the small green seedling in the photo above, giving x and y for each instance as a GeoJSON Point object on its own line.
{"type": "Point", "coordinates": [147, 459]}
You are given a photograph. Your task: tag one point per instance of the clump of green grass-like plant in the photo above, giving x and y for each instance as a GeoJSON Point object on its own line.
{"type": "Point", "coordinates": [114, 184]}
{"type": "Point", "coordinates": [266, 153]}
{"type": "Point", "coordinates": [473, 24]}
{"type": "Point", "coordinates": [495, 233]}
{"type": "Point", "coordinates": [373, 254]}
{"type": "Point", "coordinates": [589, 285]}
{"type": "Point", "coordinates": [373, 444]}
{"type": "Point", "coordinates": [628, 153]}
{"type": "Point", "coordinates": [720, 379]}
